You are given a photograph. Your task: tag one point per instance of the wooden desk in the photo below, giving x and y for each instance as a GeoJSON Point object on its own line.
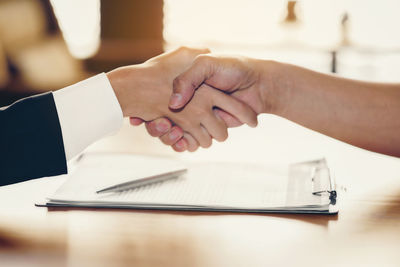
{"type": "Point", "coordinates": [366, 232]}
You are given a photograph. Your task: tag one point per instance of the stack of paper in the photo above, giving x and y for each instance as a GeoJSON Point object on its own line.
{"type": "Point", "coordinates": [205, 187]}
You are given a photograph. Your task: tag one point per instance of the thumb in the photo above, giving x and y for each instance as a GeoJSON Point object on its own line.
{"type": "Point", "coordinates": [185, 84]}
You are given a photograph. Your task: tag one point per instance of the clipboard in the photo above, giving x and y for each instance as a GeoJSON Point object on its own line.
{"type": "Point", "coordinates": [309, 188]}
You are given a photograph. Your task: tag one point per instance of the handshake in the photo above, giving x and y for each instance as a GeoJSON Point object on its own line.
{"type": "Point", "coordinates": [188, 97]}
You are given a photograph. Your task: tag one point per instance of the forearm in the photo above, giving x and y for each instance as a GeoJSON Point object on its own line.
{"type": "Point", "coordinates": [363, 114]}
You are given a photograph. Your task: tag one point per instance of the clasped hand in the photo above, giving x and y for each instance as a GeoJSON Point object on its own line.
{"type": "Point", "coordinates": [160, 92]}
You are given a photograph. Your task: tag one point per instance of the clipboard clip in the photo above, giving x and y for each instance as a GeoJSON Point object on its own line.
{"type": "Point", "coordinates": [332, 195]}
{"type": "Point", "coordinates": [322, 181]}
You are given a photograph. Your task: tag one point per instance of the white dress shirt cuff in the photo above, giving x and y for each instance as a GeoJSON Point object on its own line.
{"type": "Point", "coordinates": [88, 111]}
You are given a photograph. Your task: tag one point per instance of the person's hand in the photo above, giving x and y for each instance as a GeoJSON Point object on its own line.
{"type": "Point", "coordinates": [143, 92]}
{"type": "Point", "coordinates": [249, 80]}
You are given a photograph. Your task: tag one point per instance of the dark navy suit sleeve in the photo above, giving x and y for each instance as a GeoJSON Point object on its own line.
{"type": "Point", "coordinates": [31, 143]}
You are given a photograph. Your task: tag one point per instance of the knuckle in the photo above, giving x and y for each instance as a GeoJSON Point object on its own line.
{"type": "Point", "coordinates": [203, 59]}
{"type": "Point", "coordinates": [178, 83]}
{"type": "Point", "coordinates": [183, 48]}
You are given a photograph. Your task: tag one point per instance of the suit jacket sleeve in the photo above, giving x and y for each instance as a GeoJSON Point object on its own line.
{"type": "Point", "coordinates": [31, 143]}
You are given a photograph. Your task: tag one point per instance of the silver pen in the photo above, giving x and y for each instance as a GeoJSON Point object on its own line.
{"type": "Point", "coordinates": [143, 181]}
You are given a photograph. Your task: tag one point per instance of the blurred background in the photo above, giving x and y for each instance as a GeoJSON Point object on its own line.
{"type": "Point", "coordinates": [48, 44]}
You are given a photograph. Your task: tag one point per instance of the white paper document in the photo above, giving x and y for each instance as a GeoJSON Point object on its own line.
{"type": "Point", "coordinates": [205, 186]}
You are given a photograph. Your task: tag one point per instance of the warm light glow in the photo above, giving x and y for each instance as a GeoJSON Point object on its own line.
{"type": "Point", "coordinates": [255, 23]}
{"type": "Point", "coordinates": [255, 28]}
{"type": "Point", "coordinates": [252, 23]}
{"type": "Point", "coordinates": [80, 25]}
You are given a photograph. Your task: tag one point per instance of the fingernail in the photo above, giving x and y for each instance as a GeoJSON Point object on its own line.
{"type": "Point", "coordinates": [173, 135]}
{"type": "Point", "coordinates": [175, 100]}
{"type": "Point", "coordinates": [161, 127]}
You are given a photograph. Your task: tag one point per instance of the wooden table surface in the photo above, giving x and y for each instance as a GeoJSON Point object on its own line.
{"type": "Point", "coordinates": [366, 232]}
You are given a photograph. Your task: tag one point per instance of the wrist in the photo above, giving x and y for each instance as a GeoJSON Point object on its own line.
{"type": "Point", "coordinates": [123, 82]}
{"type": "Point", "coordinates": [116, 81]}
{"type": "Point", "coordinates": [271, 86]}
